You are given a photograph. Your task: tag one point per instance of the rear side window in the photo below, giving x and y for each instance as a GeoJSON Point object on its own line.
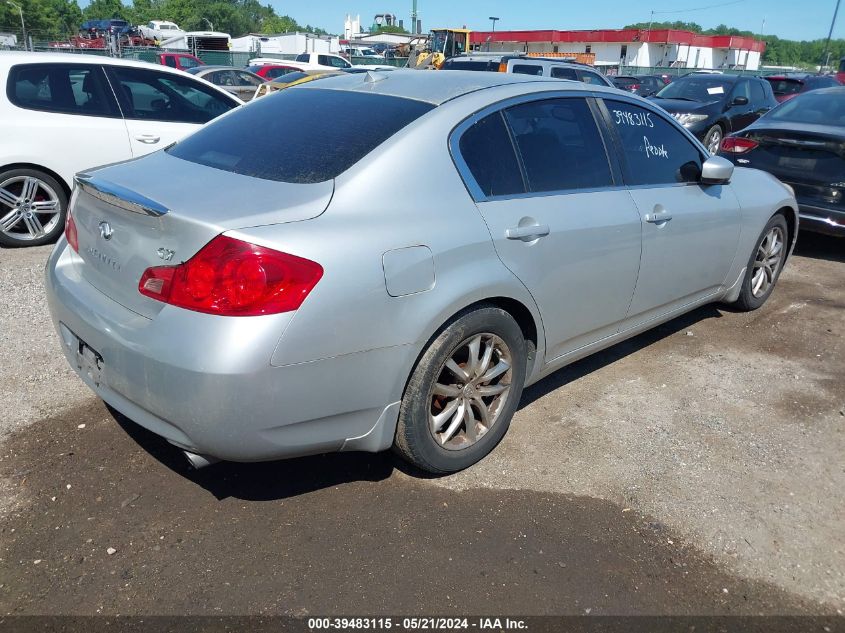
{"type": "Point", "coordinates": [283, 136]}
{"type": "Point", "coordinates": [488, 152]}
{"type": "Point", "coordinates": [560, 145]}
{"type": "Point", "coordinates": [561, 72]}
{"type": "Point", "coordinates": [527, 69]}
{"type": "Point", "coordinates": [656, 152]}
{"type": "Point", "coordinates": [161, 96]}
{"type": "Point", "coordinates": [61, 88]}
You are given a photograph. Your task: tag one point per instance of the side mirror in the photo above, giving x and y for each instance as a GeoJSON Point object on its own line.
{"type": "Point", "coordinates": [716, 171]}
{"type": "Point", "coordinates": [740, 101]}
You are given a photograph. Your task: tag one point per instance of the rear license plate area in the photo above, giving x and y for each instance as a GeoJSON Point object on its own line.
{"type": "Point", "coordinates": [88, 361]}
{"type": "Point", "coordinates": [804, 164]}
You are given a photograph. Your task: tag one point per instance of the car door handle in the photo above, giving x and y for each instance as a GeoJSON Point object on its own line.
{"type": "Point", "coordinates": [658, 218]}
{"type": "Point", "coordinates": [148, 139]}
{"type": "Point", "coordinates": [529, 232]}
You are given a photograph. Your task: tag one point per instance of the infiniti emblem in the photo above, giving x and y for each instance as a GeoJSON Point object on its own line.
{"type": "Point", "coordinates": [106, 231]}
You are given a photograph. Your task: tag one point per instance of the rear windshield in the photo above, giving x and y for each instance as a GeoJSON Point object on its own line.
{"type": "Point", "coordinates": [702, 88]}
{"type": "Point", "coordinates": [300, 135]}
{"type": "Point", "coordinates": [786, 86]}
{"type": "Point", "coordinates": [813, 107]}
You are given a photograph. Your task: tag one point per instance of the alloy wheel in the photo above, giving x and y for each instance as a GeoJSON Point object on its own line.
{"type": "Point", "coordinates": [714, 141]}
{"type": "Point", "coordinates": [470, 391]}
{"type": "Point", "coordinates": [29, 208]}
{"type": "Point", "coordinates": [767, 262]}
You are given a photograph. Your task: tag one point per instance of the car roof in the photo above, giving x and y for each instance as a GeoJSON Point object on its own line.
{"type": "Point", "coordinates": [437, 87]}
{"type": "Point", "coordinates": [22, 57]}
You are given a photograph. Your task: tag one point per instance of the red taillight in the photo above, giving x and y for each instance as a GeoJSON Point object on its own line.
{"type": "Point", "coordinates": [234, 278]}
{"type": "Point", "coordinates": [71, 233]}
{"type": "Point", "coordinates": [635, 87]}
{"type": "Point", "coordinates": [738, 144]}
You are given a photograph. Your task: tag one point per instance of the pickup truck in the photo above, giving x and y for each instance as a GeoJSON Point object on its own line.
{"type": "Point", "coordinates": [182, 61]}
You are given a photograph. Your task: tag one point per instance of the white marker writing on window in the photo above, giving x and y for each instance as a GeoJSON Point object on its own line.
{"type": "Point", "coordinates": [658, 151]}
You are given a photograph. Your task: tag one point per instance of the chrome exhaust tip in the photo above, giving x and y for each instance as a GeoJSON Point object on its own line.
{"type": "Point", "coordinates": [199, 461]}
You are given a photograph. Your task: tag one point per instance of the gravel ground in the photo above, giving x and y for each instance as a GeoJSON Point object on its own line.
{"type": "Point", "coordinates": [706, 454]}
{"type": "Point", "coordinates": [36, 382]}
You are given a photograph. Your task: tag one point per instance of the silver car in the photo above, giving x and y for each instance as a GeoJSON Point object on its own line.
{"type": "Point", "coordinates": [387, 260]}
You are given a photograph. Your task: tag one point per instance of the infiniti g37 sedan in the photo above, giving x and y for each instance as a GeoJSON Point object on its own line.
{"type": "Point", "coordinates": [254, 291]}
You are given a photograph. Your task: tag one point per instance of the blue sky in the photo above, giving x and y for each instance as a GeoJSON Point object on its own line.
{"type": "Point", "coordinates": [793, 19]}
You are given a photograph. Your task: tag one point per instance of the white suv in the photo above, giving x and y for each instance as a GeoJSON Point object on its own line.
{"type": "Point", "coordinates": [557, 68]}
{"type": "Point", "coordinates": [63, 113]}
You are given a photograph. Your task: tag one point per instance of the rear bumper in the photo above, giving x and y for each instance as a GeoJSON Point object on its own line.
{"type": "Point", "coordinates": [820, 219]}
{"type": "Point", "coordinates": [206, 383]}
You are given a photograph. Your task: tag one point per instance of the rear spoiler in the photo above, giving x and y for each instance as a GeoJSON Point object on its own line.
{"type": "Point", "coordinates": [118, 196]}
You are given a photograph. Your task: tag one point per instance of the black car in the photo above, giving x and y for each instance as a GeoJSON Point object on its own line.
{"type": "Point", "coordinates": [643, 85]}
{"type": "Point", "coordinates": [802, 143]}
{"type": "Point", "coordinates": [712, 106]}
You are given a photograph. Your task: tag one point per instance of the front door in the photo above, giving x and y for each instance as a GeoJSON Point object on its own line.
{"type": "Point", "coordinates": [556, 218]}
{"type": "Point", "coordinates": [690, 231]}
{"type": "Point", "coordinates": [163, 107]}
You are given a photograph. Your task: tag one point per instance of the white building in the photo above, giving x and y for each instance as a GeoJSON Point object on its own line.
{"type": "Point", "coordinates": [633, 47]}
{"type": "Point", "coordinates": [286, 44]}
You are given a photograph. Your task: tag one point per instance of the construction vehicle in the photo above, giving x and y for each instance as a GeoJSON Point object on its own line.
{"type": "Point", "coordinates": [441, 44]}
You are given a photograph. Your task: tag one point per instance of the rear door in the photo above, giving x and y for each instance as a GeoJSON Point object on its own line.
{"type": "Point", "coordinates": [162, 107]}
{"type": "Point", "coordinates": [741, 115]}
{"type": "Point", "coordinates": [558, 219]}
{"type": "Point", "coordinates": [690, 231]}
{"type": "Point", "coordinates": [65, 117]}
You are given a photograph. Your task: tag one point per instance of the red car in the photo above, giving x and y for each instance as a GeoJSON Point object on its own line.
{"type": "Point", "coordinates": [271, 71]}
{"type": "Point", "coordinates": [840, 76]}
{"type": "Point", "coordinates": [786, 87]}
{"type": "Point", "coordinates": [182, 61]}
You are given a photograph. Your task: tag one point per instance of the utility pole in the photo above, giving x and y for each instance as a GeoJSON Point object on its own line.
{"type": "Point", "coordinates": [23, 26]}
{"type": "Point", "coordinates": [414, 28]}
{"type": "Point", "coordinates": [826, 56]}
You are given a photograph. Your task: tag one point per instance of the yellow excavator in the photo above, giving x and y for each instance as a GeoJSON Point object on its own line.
{"type": "Point", "coordinates": [442, 44]}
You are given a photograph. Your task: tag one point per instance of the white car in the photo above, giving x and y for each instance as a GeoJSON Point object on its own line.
{"type": "Point", "coordinates": [160, 30]}
{"type": "Point", "coordinates": [322, 60]}
{"type": "Point", "coordinates": [63, 113]}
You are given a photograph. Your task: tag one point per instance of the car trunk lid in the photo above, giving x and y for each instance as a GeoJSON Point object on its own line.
{"type": "Point", "coordinates": [139, 214]}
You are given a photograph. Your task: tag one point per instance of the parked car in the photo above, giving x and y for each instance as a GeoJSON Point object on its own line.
{"type": "Point", "coordinates": [786, 87]}
{"type": "Point", "coordinates": [802, 143]}
{"type": "Point", "coordinates": [711, 106]}
{"type": "Point", "coordinates": [643, 85]}
{"type": "Point", "coordinates": [160, 30]}
{"type": "Point", "coordinates": [181, 61]}
{"type": "Point", "coordinates": [840, 75]}
{"type": "Point", "coordinates": [356, 51]}
{"type": "Point", "coordinates": [312, 60]}
{"type": "Point", "coordinates": [237, 318]}
{"type": "Point", "coordinates": [61, 113]}
{"type": "Point", "coordinates": [238, 81]}
{"type": "Point", "coordinates": [294, 79]}
{"type": "Point", "coordinates": [103, 28]}
{"type": "Point", "coordinates": [523, 65]}
{"type": "Point", "coordinates": [271, 71]}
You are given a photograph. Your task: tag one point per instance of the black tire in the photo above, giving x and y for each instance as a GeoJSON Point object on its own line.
{"type": "Point", "coordinates": [714, 135]}
{"type": "Point", "coordinates": [415, 440]}
{"type": "Point", "coordinates": [747, 300]}
{"type": "Point", "coordinates": [17, 236]}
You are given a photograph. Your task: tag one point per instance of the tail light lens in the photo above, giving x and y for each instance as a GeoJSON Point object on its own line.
{"type": "Point", "coordinates": [71, 233]}
{"type": "Point", "coordinates": [738, 144]}
{"type": "Point", "coordinates": [635, 87]}
{"type": "Point", "coordinates": [503, 68]}
{"type": "Point", "coordinates": [230, 277]}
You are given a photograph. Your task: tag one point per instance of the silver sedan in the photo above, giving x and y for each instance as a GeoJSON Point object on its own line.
{"type": "Point", "coordinates": [387, 260]}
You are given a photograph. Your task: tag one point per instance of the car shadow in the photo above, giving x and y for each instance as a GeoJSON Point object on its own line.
{"type": "Point", "coordinates": [266, 481]}
{"type": "Point", "coordinates": [599, 360]}
{"type": "Point", "coordinates": [820, 246]}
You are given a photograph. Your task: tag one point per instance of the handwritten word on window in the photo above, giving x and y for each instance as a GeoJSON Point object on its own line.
{"type": "Point", "coordinates": [654, 151]}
